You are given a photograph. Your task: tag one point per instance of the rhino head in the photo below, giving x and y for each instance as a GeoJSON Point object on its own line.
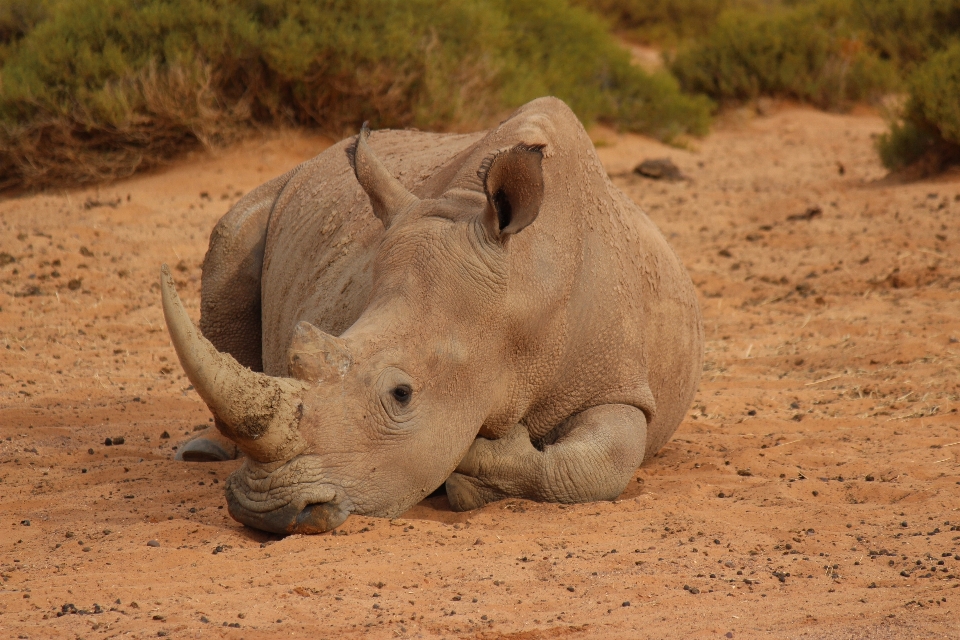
{"type": "Point", "coordinates": [374, 420]}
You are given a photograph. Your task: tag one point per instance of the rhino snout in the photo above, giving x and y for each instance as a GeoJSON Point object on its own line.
{"type": "Point", "coordinates": [285, 500]}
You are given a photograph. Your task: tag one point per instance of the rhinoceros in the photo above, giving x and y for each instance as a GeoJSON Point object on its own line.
{"type": "Point", "coordinates": [410, 309]}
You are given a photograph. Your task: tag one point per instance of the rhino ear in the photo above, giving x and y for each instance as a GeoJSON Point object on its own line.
{"type": "Point", "coordinates": [315, 356]}
{"type": "Point", "coordinates": [513, 183]}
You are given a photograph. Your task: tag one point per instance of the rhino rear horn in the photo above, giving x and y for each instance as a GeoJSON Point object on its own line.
{"type": "Point", "coordinates": [387, 196]}
{"type": "Point", "coordinates": [513, 182]}
{"type": "Point", "coordinates": [315, 356]}
{"type": "Point", "coordinates": [260, 413]}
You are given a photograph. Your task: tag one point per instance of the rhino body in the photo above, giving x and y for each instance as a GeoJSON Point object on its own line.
{"type": "Point", "coordinates": [485, 309]}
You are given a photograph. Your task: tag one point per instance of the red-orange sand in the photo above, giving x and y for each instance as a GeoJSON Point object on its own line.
{"type": "Point", "coordinates": [827, 420]}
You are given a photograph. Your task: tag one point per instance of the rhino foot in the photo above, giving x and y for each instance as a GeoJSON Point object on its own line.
{"type": "Point", "coordinates": [492, 470]}
{"type": "Point", "coordinates": [465, 493]}
{"type": "Point", "coordinates": [208, 447]}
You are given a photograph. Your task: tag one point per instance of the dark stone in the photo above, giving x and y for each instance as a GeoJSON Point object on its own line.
{"type": "Point", "coordinates": [809, 214]}
{"type": "Point", "coordinates": [659, 169]}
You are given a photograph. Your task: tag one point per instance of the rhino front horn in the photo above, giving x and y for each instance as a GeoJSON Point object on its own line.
{"type": "Point", "coordinates": [259, 412]}
{"type": "Point", "coordinates": [387, 196]}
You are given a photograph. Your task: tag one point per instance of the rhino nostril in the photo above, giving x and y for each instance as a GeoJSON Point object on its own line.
{"type": "Point", "coordinates": [319, 517]}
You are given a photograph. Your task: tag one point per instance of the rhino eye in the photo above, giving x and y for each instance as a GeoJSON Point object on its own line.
{"type": "Point", "coordinates": [402, 393]}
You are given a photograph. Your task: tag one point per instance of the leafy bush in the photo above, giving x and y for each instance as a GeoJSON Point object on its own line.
{"type": "Point", "coordinates": [803, 53]}
{"type": "Point", "coordinates": [906, 31]}
{"type": "Point", "coordinates": [583, 65]}
{"type": "Point", "coordinates": [903, 31]}
{"type": "Point", "coordinates": [92, 89]}
{"type": "Point", "coordinates": [929, 132]}
{"type": "Point", "coordinates": [663, 22]}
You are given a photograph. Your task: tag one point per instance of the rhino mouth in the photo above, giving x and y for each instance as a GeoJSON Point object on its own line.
{"type": "Point", "coordinates": [285, 498]}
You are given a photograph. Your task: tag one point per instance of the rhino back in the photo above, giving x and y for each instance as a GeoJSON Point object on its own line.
{"type": "Point", "coordinates": [323, 236]}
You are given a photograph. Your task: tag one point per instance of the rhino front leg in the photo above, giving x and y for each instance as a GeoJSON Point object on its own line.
{"type": "Point", "coordinates": [209, 446]}
{"type": "Point", "coordinates": [593, 457]}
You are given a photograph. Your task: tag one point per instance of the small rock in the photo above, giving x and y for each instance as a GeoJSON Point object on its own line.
{"type": "Point", "coordinates": [626, 603]}
{"type": "Point", "coordinates": [811, 213]}
{"type": "Point", "coordinates": [25, 523]}
{"type": "Point", "coordinates": [659, 169]}
{"type": "Point", "coordinates": [153, 543]}
{"type": "Point", "coordinates": [764, 106]}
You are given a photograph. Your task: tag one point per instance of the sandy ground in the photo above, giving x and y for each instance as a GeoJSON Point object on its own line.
{"type": "Point", "coordinates": [813, 491]}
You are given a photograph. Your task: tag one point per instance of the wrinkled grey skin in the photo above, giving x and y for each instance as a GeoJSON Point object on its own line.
{"type": "Point", "coordinates": [484, 310]}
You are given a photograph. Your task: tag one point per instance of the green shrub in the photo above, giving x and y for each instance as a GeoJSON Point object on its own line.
{"type": "Point", "coordinates": [567, 52]}
{"type": "Point", "coordinates": [663, 22]}
{"type": "Point", "coordinates": [930, 129]}
{"type": "Point", "coordinates": [798, 53]}
{"type": "Point", "coordinates": [907, 31]}
{"type": "Point", "coordinates": [99, 88]}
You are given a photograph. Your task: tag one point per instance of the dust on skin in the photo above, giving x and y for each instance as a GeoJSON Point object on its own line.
{"type": "Point", "coordinates": [827, 417]}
